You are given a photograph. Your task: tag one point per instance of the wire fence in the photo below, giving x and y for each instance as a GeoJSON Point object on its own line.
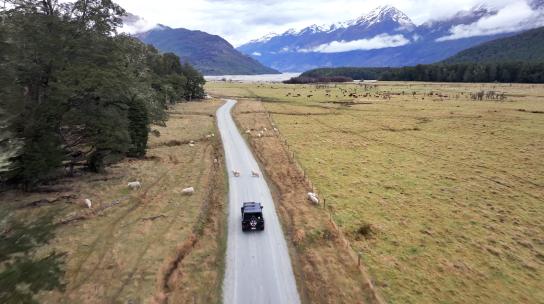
{"type": "Point", "coordinates": [326, 205]}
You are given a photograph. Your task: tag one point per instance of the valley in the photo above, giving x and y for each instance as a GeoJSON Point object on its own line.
{"type": "Point", "coordinates": [150, 154]}
{"type": "Point", "coordinates": [439, 193]}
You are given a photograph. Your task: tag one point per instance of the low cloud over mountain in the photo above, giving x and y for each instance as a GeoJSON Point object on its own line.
{"type": "Point", "coordinates": [388, 37]}
{"type": "Point", "coordinates": [516, 16]}
{"type": "Point", "coordinates": [377, 42]}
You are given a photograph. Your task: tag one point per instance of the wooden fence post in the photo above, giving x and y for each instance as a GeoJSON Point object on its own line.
{"type": "Point", "coordinates": [358, 259]}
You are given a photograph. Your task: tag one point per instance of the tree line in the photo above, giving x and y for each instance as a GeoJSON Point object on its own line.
{"type": "Point", "coordinates": [74, 92]}
{"type": "Point", "coordinates": [321, 79]}
{"type": "Point", "coordinates": [507, 72]}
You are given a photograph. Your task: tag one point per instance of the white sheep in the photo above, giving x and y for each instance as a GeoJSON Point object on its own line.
{"type": "Point", "coordinates": [313, 197]}
{"type": "Point", "coordinates": [88, 203]}
{"type": "Point", "coordinates": [191, 145]}
{"type": "Point", "coordinates": [255, 173]}
{"type": "Point", "coordinates": [248, 131]}
{"type": "Point", "coordinates": [265, 129]}
{"type": "Point", "coordinates": [260, 135]}
{"type": "Point", "coordinates": [209, 136]}
{"type": "Point", "coordinates": [134, 185]}
{"type": "Point", "coordinates": [275, 129]}
{"type": "Point", "coordinates": [236, 173]}
{"type": "Point", "coordinates": [188, 191]}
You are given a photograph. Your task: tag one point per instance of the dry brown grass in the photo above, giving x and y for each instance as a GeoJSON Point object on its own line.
{"type": "Point", "coordinates": [442, 194]}
{"type": "Point", "coordinates": [140, 248]}
{"type": "Point", "coordinates": [325, 269]}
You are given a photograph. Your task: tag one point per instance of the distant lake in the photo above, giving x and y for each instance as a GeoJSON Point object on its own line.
{"type": "Point", "coordinates": [254, 78]}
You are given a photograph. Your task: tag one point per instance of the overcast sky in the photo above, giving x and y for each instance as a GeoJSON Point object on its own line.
{"type": "Point", "coordinates": [239, 21]}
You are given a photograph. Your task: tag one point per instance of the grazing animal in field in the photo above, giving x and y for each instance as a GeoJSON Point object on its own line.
{"type": "Point", "coordinates": [188, 191]}
{"type": "Point", "coordinates": [255, 173]}
{"type": "Point", "coordinates": [134, 185]}
{"type": "Point", "coordinates": [248, 131]}
{"type": "Point", "coordinates": [313, 198]}
{"type": "Point", "coordinates": [236, 173]}
{"type": "Point", "coordinates": [88, 203]}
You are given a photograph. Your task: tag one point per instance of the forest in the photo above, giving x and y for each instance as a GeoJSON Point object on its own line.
{"type": "Point", "coordinates": [506, 72]}
{"type": "Point", "coordinates": [75, 93]}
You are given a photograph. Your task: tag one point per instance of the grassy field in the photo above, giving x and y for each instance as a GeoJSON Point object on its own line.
{"type": "Point", "coordinates": [152, 245]}
{"type": "Point", "coordinates": [442, 194]}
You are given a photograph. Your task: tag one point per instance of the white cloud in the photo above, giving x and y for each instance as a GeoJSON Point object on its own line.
{"type": "Point", "coordinates": [256, 54]}
{"type": "Point", "coordinates": [378, 42]}
{"type": "Point", "coordinates": [134, 24]}
{"type": "Point", "coordinates": [514, 17]}
{"type": "Point", "coordinates": [240, 21]}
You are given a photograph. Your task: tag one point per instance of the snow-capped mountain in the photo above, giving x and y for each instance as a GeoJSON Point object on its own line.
{"type": "Point", "coordinates": [384, 19]}
{"type": "Point", "coordinates": [384, 37]}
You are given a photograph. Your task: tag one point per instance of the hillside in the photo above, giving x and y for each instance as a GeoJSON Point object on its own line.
{"type": "Point", "coordinates": [527, 46]}
{"type": "Point", "coordinates": [210, 54]}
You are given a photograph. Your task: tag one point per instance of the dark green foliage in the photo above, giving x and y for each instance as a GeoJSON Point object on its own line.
{"type": "Point", "coordinates": [138, 128]}
{"type": "Point", "coordinates": [38, 275]}
{"type": "Point", "coordinates": [527, 46]}
{"type": "Point", "coordinates": [524, 72]}
{"type": "Point", "coordinates": [351, 72]}
{"type": "Point", "coordinates": [194, 83]}
{"type": "Point", "coordinates": [20, 267]}
{"type": "Point", "coordinates": [39, 157]}
{"type": "Point", "coordinates": [75, 93]}
{"type": "Point", "coordinates": [321, 79]}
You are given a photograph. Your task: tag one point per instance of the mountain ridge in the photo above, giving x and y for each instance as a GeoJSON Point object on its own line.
{"type": "Point", "coordinates": [210, 54]}
{"type": "Point", "coordinates": [384, 37]}
{"type": "Point", "coordinates": [527, 46]}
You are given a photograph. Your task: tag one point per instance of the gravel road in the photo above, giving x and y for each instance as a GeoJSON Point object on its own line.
{"type": "Point", "coordinates": [258, 268]}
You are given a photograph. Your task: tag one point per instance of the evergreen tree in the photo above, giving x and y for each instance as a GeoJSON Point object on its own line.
{"type": "Point", "coordinates": [74, 92]}
{"type": "Point", "coordinates": [138, 127]}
